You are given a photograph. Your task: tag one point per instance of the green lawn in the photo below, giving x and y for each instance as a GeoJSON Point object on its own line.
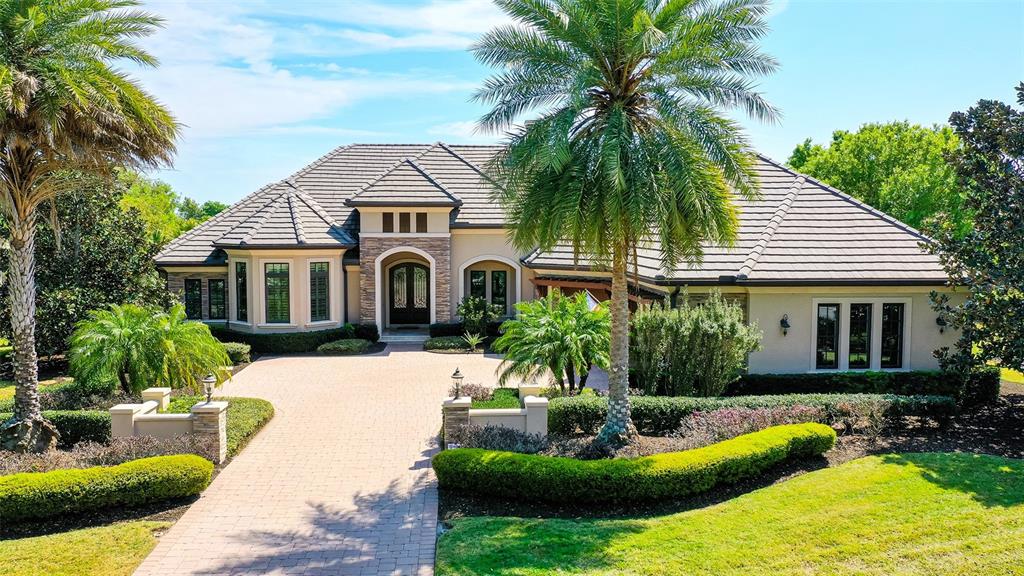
{"type": "Point", "coordinates": [108, 550]}
{"type": "Point", "coordinates": [245, 417]}
{"type": "Point", "coordinates": [1012, 376]}
{"type": "Point", "coordinates": [502, 398]}
{"type": "Point", "coordinates": [7, 387]}
{"type": "Point", "coordinates": [881, 515]}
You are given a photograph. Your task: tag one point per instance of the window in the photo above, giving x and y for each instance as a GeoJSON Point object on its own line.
{"type": "Point", "coordinates": [828, 336]}
{"type": "Point", "coordinates": [478, 283]}
{"type": "Point", "coordinates": [194, 298]}
{"type": "Point", "coordinates": [277, 293]}
{"type": "Point", "coordinates": [389, 221]}
{"type": "Point", "coordinates": [218, 298]}
{"type": "Point", "coordinates": [860, 336]}
{"type": "Point", "coordinates": [403, 222]}
{"type": "Point", "coordinates": [319, 299]}
{"type": "Point", "coordinates": [241, 292]}
{"type": "Point", "coordinates": [499, 289]}
{"type": "Point", "coordinates": [421, 222]}
{"type": "Point", "coordinates": [892, 336]}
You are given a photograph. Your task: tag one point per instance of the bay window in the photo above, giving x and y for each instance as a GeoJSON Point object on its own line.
{"type": "Point", "coordinates": [277, 292]}
{"type": "Point", "coordinates": [319, 292]}
{"type": "Point", "coordinates": [217, 308]}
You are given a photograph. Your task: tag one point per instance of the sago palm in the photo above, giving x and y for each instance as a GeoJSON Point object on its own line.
{"type": "Point", "coordinates": [64, 105]}
{"type": "Point", "coordinates": [624, 144]}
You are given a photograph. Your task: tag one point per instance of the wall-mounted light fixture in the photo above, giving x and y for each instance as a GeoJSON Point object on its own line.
{"type": "Point", "coordinates": [784, 324]}
{"type": "Point", "coordinates": [941, 323]}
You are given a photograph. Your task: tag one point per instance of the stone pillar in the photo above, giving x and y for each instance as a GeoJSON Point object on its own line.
{"type": "Point", "coordinates": [122, 420]}
{"type": "Point", "coordinates": [536, 415]}
{"type": "Point", "coordinates": [456, 414]}
{"type": "Point", "coordinates": [210, 418]}
{"type": "Point", "coordinates": [529, 390]}
{"type": "Point", "coordinates": [162, 397]}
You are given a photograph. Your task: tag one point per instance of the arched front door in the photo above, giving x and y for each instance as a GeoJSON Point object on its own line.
{"type": "Point", "coordinates": [409, 294]}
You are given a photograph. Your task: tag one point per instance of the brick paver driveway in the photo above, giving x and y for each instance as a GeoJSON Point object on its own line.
{"type": "Point", "coordinates": [339, 482]}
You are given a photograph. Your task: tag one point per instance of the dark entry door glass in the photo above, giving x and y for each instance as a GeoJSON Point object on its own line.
{"type": "Point", "coordinates": [409, 291]}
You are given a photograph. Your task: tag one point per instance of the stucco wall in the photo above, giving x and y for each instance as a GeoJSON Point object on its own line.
{"type": "Point", "coordinates": [794, 352]}
{"type": "Point", "coordinates": [493, 248]}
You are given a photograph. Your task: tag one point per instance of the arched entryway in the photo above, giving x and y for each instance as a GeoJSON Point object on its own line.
{"type": "Point", "coordinates": [409, 293]}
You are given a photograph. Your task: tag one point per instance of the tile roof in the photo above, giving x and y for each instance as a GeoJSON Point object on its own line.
{"type": "Point", "coordinates": [799, 231]}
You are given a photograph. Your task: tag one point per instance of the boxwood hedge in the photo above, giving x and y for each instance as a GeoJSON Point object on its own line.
{"type": "Point", "coordinates": [38, 495]}
{"type": "Point", "coordinates": [657, 477]}
{"type": "Point", "coordinates": [77, 425]}
{"type": "Point", "coordinates": [296, 342]}
{"type": "Point", "coordinates": [345, 347]}
{"type": "Point", "coordinates": [660, 415]}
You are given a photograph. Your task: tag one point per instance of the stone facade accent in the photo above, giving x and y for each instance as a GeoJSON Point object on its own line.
{"type": "Point", "coordinates": [371, 247]}
{"type": "Point", "coordinates": [176, 285]}
{"type": "Point", "coordinates": [210, 418]}
{"type": "Point", "coordinates": [456, 415]}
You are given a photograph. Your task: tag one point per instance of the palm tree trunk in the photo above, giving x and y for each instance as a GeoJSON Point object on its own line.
{"type": "Point", "coordinates": [570, 376]}
{"type": "Point", "coordinates": [618, 427]}
{"type": "Point", "coordinates": [27, 430]}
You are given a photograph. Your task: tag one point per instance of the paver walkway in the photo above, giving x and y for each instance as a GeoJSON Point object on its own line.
{"type": "Point", "coordinates": [339, 482]}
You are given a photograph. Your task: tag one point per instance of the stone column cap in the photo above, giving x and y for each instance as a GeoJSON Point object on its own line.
{"type": "Point", "coordinates": [461, 402]}
{"type": "Point", "coordinates": [535, 401]}
{"type": "Point", "coordinates": [212, 407]}
{"type": "Point", "coordinates": [157, 390]}
{"type": "Point", "coordinates": [125, 408]}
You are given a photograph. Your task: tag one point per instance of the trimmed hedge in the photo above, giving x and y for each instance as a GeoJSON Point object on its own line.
{"type": "Point", "coordinates": [980, 387]}
{"type": "Point", "coordinates": [38, 495]}
{"type": "Point", "coordinates": [344, 347]}
{"type": "Point", "coordinates": [660, 415]}
{"type": "Point", "coordinates": [442, 329]}
{"type": "Point", "coordinates": [238, 352]}
{"type": "Point", "coordinates": [657, 477]}
{"type": "Point", "coordinates": [296, 342]}
{"type": "Point", "coordinates": [77, 425]}
{"type": "Point", "coordinates": [445, 343]}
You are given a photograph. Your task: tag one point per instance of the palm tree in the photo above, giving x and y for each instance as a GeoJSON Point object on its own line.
{"type": "Point", "coordinates": [629, 147]}
{"type": "Point", "coordinates": [63, 105]}
{"type": "Point", "coordinates": [142, 347]}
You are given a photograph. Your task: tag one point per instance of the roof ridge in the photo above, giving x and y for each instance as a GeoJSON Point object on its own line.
{"type": "Point", "coordinates": [264, 215]}
{"type": "Point", "coordinates": [426, 174]}
{"type": "Point", "coordinates": [388, 170]}
{"type": "Point", "coordinates": [300, 233]}
{"type": "Point", "coordinates": [769, 230]}
{"type": "Point", "coordinates": [302, 171]}
{"type": "Point", "coordinates": [850, 199]}
{"type": "Point", "coordinates": [313, 205]}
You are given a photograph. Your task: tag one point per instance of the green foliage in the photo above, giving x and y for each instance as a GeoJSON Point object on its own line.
{"type": "Point", "coordinates": [445, 343]}
{"type": "Point", "coordinates": [477, 314]}
{"type": "Point", "coordinates": [97, 255]}
{"type": "Point", "coordinates": [981, 387]}
{"type": "Point", "coordinates": [661, 415]}
{"type": "Point", "coordinates": [166, 213]}
{"type": "Point", "coordinates": [245, 417]}
{"type": "Point", "coordinates": [39, 495]}
{"type": "Point", "coordinates": [77, 426]}
{"type": "Point", "coordinates": [500, 398]}
{"type": "Point", "coordinates": [238, 352]}
{"type": "Point", "coordinates": [472, 340]}
{"type": "Point", "coordinates": [458, 329]}
{"type": "Point", "coordinates": [296, 342]}
{"type": "Point", "coordinates": [659, 477]}
{"type": "Point", "coordinates": [693, 350]}
{"type": "Point", "coordinates": [555, 338]}
{"type": "Point", "coordinates": [143, 347]}
{"type": "Point", "coordinates": [344, 347]}
{"type": "Point", "coordinates": [987, 262]}
{"type": "Point", "coordinates": [898, 167]}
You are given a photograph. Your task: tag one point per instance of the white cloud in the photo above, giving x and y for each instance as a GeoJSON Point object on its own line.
{"type": "Point", "coordinates": [462, 132]}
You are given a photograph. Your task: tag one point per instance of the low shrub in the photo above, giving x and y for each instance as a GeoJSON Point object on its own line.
{"type": "Point", "coordinates": [500, 438]}
{"type": "Point", "coordinates": [648, 478]}
{"type": "Point", "coordinates": [77, 426]}
{"type": "Point", "coordinates": [245, 417]}
{"type": "Point", "coordinates": [118, 451]}
{"type": "Point", "coordinates": [296, 342]}
{"type": "Point", "coordinates": [439, 329]}
{"type": "Point", "coordinates": [38, 495]}
{"type": "Point", "coordinates": [979, 387]}
{"type": "Point", "coordinates": [478, 392]}
{"type": "Point", "coordinates": [77, 395]}
{"type": "Point", "coordinates": [660, 415]}
{"type": "Point", "coordinates": [347, 346]}
{"type": "Point", "coordinates": [704, 428]}
{"type": "Point", "coordinates": [500, 398]}
{"type": "Point", "coordinates": [445, 343]}
{"type": "Point", "coordinates": [238, 352]}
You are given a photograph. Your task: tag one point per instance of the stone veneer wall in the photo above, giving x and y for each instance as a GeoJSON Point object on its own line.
{"type": "Point", "coordinates": [370, 248]}
{"type": "Point", "coordinates": [176, 285]}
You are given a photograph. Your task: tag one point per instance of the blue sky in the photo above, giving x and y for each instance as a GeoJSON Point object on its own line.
{"type": "Point", "coordinates": [265, 87]}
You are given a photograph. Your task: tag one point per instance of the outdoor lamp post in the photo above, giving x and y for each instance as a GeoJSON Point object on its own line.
{"type": "Point", "coordinates": [208, 383]}
{"type": "Point", "coordinates": [457, 381]}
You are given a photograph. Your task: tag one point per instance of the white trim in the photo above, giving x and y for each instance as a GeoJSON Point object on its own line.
{"type": "Point", "coordinates": [405, 234]}
{"type": "Point", "coordinates": [507, 261]}
{"type": "Point", "coordinates": [843, 350]}
{"type": "Point", "coordinates": [378, 293]}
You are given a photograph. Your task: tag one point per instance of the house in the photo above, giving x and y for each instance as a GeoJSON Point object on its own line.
{"type": "Point", "coordinates": [397, 235]}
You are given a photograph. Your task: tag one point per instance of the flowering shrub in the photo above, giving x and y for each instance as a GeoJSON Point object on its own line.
{"type": "Point", "coordinates": [478, 392]}
{"type": "Point", "coordinates": [119, 450]}
{"type": "Point", "coordinates": [498, 438]}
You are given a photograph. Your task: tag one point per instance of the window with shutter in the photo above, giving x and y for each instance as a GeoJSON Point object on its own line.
{"type": "Point", "coordinates": [319, 292]}
{"type": "Point", "coordinates": [277, 290]}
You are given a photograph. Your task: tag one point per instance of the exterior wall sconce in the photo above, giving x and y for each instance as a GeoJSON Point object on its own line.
{"type": "Point", "coordinates": [941, 323]}
{"type": "Point", "coordinates": [784, 324]}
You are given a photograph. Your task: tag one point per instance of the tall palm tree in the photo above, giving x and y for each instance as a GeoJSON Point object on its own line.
{"type": "Point", "coordinates": [628, 146]}
{"type": "Point", "coordinates": [64, 105]}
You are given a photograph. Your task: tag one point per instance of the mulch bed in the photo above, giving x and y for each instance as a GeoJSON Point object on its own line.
{"type": "Point", "coordinates": [997, 430]}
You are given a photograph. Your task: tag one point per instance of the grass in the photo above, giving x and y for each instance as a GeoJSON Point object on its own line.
{"type": "Point", "coordinates": [7, 387]}
{"type": "Point", "coordinates": [109, 550]}
{"type": "Point", "coordinates": [245, 417]}
{"type": "Point", "coordinates": [895, 514]}
{"type": "Point", "coordinates": [1011, 376]}
{"type": "Point", "coordinates": [502, 398]}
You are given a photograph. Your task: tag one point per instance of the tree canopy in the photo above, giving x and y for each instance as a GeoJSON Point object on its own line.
{"type": "Point", "coordinates": [898, 167]}
{"type": "Point", "coordinates": [988, 262]}
{"type": "Point", "coordinates": [166, 213]}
